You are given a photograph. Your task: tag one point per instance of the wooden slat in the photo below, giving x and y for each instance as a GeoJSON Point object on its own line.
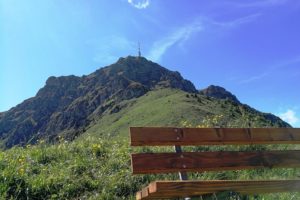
{"type": "Point", "coordinates": [156, 136]}
{"type": "Point", "coordinates": [145, 192]}
{"type": "Point", "coordinates": [139, 195]}
{"type": "Point", "coordinates": [212, 161]}
{"type": "Point", "coordinates": [172, 189]}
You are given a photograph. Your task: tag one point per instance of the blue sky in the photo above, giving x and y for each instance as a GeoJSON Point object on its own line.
{"type": "Point", "coordinates": [249, 47]}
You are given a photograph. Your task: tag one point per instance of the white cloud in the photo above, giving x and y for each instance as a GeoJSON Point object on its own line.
{"type": "Point", "coordinates": [290, 117]}
{"type": "Point", "coordinates": [139, 4]}
{"type": "Point", "coordinates": [179, 36]}
{"type": "Point", "coordinates": [238, 21]}
{"type": "Point", "coordinates": [254, 78]}
{"type": "Point", "coordinates": [182, 34]}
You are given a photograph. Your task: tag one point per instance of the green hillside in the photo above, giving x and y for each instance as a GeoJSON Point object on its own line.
{"type": "Point", "coordinates": [171, 107]}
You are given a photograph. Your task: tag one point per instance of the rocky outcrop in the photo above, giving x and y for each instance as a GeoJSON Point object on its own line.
{"type": "Point", "coordinates": [219, 93]}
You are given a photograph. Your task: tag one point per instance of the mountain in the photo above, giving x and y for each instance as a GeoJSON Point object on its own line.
{"type": "Point", "coordinates": [131, 92]}
{"type": "Point", "coordinates": [219, 93]}
{"type": "Point", "coordinates": [68, 104]}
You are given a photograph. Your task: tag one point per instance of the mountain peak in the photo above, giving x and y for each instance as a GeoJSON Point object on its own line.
{"type": "Point", "coordinates": [134, 58]}
{"type": "Point", "coordinates": [147, 73]}
{"type": "Point", "coordinates": [68, 104]}
{"type": "Point", "coordinates": [219, 93]}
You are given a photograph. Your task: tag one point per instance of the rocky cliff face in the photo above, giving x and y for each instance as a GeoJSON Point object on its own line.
{"type": "Point", "coordinates": [68, 104]}
{"type": "Point", "coordinates": [218, 93]}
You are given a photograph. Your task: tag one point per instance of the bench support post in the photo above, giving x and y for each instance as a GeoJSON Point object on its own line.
{"type": "Point", "coordinates": [182, 175]}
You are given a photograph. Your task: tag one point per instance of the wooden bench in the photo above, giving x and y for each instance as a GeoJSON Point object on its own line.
{"type": "Point", "coordinates": [182, 162]}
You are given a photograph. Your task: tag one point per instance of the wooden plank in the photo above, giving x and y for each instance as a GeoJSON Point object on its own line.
{"type": "Point", "coordinates": [161, 136]}
{"type": "Point", "coordinates": [138, 195]}
{"type": "Point", "coordinates": [145, 192]}
{"type": "Point", "coordinates": [173, 189]}
{"type": "Point", "coordinates": [212, 161]}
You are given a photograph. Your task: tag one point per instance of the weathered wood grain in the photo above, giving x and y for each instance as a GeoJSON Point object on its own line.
{"type": "Point", "coordinates": [212, 161]}
{"type": "Point", "coordinates": [173, 189]}
{"type": "Point", "coordinates": [161, 136]}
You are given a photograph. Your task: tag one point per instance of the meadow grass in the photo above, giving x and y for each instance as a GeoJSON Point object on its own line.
{"type": "Point", "coordinates": [96, 168]}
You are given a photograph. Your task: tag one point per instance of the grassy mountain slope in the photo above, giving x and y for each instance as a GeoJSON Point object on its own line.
{"type": "Point", "coordinates": [171, 107]}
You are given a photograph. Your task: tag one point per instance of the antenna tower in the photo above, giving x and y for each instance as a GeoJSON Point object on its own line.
{"type": "Point", "coordinates": [139, 52]}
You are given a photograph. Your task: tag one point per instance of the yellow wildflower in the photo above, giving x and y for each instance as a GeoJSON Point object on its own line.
{"type": "Point", "coordinates": [21, 171]}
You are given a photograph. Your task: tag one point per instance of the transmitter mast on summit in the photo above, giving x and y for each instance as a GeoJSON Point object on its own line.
{"type": "Point", "coordinates": [139, 52]}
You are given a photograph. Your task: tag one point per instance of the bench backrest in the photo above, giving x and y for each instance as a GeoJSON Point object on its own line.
{"type": "Point", "coordinates": [178, 161]}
